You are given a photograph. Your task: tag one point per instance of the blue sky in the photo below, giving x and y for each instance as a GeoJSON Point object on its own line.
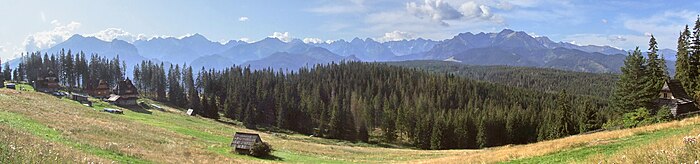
{"type": "Point", "coordinates": [30, 25]}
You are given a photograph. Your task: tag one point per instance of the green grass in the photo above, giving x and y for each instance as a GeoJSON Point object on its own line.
{"type": "Point", "coordinates": [581, 153]}
{"type": "Point", "coordinates": [206, 132]}
{"type": "Point", "coordinates": [40, 130]}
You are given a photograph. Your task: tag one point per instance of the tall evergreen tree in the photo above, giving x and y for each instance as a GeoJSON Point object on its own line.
{"type": "Point", "coordinates": [682, 61]}
{"type": "Point", "coordinates": [7, 72]}
{"type": "Point", "coordinates": [656, 68]}
{"type": "Point", "coordinates": [631, 91]}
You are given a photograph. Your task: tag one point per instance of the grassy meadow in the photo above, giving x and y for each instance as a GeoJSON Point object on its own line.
{"type": "Point", "coordinates": [40, 128]}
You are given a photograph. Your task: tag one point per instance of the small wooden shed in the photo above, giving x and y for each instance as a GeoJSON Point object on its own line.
{"type": "Point", "coordinates": [10, 85]}
{"type": "Point", "coordinates": [79, 98]}
{"type": "Point", "coordinates": [243, 142]}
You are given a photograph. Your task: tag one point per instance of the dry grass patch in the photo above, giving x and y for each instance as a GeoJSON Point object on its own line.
{"type": "Point", "coordinates": [118, 136]}
{"type": "Point", "coordinates": [506, 153]}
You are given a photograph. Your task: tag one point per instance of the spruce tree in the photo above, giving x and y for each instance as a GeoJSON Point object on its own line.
{"type": "Point", "coordinates": [7, 72]}
{"type": "Point", "coordinates": [655, 67]}
{"type": "Point", "coordinates": [682, 61]}
{"type": "Point", "coordinates": [695, 54]}
{"type": "Point", "coordinates": [631, 91]}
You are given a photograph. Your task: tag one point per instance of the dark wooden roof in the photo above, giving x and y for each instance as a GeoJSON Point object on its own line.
{"type": "Point", "coordinates": [125, 88]}
{"type": "Point", "coordinates": [245, 140]}
{"type": "Point", "coordinates": [102, 85]}
{"type": "Point", "coordinates": [676, 88]}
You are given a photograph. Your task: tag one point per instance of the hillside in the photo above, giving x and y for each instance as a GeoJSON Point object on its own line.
{"type": "Point", "coordinates": [39, 128]}
{"type": "Point", "coordinates": [542, 79]}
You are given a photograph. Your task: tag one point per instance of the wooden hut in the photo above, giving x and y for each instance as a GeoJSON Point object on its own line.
{"type": "Point", "coordinates": [10, 86]}
{"type": "Point", "coordinates": [47, 83]}
{"type": "Point", "coordinates": [124, 94]}
{"type": "Point", "coordinates": [243, 142]}
{"type": "Point", "coordinates": [675, 98]}
{"type": "Point", "coordinates": [101, 90]}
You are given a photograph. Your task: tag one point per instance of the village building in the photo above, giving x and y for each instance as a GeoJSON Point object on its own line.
{"type": "Point", "coordinates": [47, 83]}
{"type": "Point", "coordinates": [124, 94]}
{"type": "Point", "coordinates": [101, 90]}
{"type": "Point", "coordinates": [243, 142]}
{"type": "Point", "coordinates": [674, 97]}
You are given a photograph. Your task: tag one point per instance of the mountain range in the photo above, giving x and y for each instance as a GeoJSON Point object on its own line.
{"type": "Point", "coordinates": [507, 47]}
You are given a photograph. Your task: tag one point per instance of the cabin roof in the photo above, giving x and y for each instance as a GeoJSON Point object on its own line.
{"type": "Point", "coordinates": [245, 140]}
{"type": "Point", "coordinates": [125, 87]}
{"type": "Point", "coordinates": [676, 88]}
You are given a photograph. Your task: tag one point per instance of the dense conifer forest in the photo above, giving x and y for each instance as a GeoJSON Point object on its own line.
{"type": "Point", "coordinates": [348, 101]}
{"type": "Point", "coordinates": [542, 79]}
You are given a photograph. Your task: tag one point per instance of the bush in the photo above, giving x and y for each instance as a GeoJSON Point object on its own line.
{"type": "Point", "coordinates": [261, 149]}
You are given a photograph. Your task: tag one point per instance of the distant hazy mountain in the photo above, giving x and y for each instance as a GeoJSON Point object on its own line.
{"type": "Point", "coordinates": [365, 50]}
{"type": "Point", "coordinates": [291, 62]}
{"type": "Point", "coordinates": [180, 51]}
{"type": "Point", "coordinates": [255, 51]}
{"type": "Point", "coordinates": [506, 47]}
{"type": "Point", "coordinates": [90, 45]}
{"type": "Point", "coordinates": [405, 47]}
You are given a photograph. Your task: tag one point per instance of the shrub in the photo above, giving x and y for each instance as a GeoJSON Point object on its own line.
{"type": "Point", "coordinates": [261, 149]}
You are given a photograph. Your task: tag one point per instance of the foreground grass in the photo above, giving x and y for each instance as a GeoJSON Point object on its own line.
{"type": "Point", "coordinates": [81, 134]}
{"type": "Point", "coordinates": [37, 129]}
{"type": "Point", "coordinates": [584, 152]}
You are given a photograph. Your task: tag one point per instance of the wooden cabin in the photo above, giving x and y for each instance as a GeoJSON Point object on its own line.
{"type": "Point", "coordinates": [243, 142]}
{"type": "Point", "coordinates": [675, 98]}
{"type": "Point", "coordinates": [47, 83]}
{"type": "Point", "coordinates": [124, 94]}
{"type": "Point", "coordinates": [101, 90]}
{"type": "Point", "coordinates": [10, 86]}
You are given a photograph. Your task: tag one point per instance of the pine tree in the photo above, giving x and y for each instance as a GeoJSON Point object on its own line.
{"type": "Point", "coordinates": [2, 78]}
{"type": "Point", "coordinates": [682, 61]}
{"type": "Point", "coordinates": [7, 72]}
{"type": "Point", "coordinates": [695, 57]}
{"type": "Point", "coordinates": [655, 66]}
{"type": "Point", "coordinates": [192, 93]}
{"type": "Point", "coordinates": [631, 91]}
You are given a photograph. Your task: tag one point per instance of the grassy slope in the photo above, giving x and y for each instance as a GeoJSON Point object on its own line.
{"type": "Point", "coordinates": [79, 133]}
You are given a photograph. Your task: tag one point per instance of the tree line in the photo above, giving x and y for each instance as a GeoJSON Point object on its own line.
{"type": "Point", "coordinates": [642, 79]}
{"type": "Point", "coordinates": [349, 100]}
{"type": "Point", "coordinates": [544, 79]}
{"type": "Point", "coordinates": [74, 71]}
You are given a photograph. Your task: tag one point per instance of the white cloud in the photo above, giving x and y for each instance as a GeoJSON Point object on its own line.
{"type": "Point", "coordinates": [2, 49]}
{"type": "Point", "coordinates": [622, 41]}
{"type": "Point", "coordinates": [435, 10]}
{"type": "Point", "coordinates": [441, 11]}
{"type": "Point", "coordinates": [46, 39]}
{"type": "Point", "coordinates": [283, 36]}
{"type": "Point", "coordinates": [605, 21]}
{"type": "Point", "coordinates": [116, 33]}
{"type": "Point", "coordinates": [341, 7]}
{"type": "Point", "coordinates": [247, 40]}
{"type": "Point", "coordinates": [664, 25]}
{"type": "Point", "coordinates": [617, 38]}
{"type": "Point", "coordinates": [243, 19]}
{"type": "Point", "coordinates": [43, 17]}
{"type": "Point", "coordinates": [313, 40]}
{"type": "Point", "coordinates": [396, 36]}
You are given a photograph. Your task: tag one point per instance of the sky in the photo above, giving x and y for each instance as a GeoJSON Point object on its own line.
{"type": "Point", "coordinates": [32, 25]}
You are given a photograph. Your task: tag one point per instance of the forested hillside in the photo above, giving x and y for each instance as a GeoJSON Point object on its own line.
{"type": "Point", "coordinates": [348, 100]}
{"type": "Point", "coordinates": [542, 79]}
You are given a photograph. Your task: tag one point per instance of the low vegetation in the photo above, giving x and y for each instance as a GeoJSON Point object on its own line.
{"type": "Point", "coordinates": [66, 131]}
